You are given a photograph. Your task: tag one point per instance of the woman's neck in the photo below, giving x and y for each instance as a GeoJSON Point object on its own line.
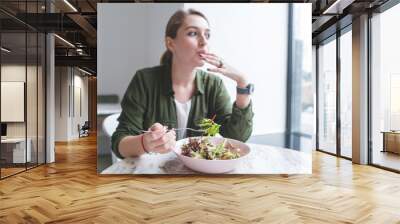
{"type": "Point", "coordinates": [182, 75]}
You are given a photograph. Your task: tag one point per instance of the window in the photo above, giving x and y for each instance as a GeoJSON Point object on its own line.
{"type": "Point", "coordinates": [346, 94]}
{"type": "Point", "coordinates": [303, 118]}
{"type": "Point", "coordinates": [22, 62]}
{"type": "Point", "coordinates": [385, 89]}
{"type": "Point", "coordinates": [327, 96]}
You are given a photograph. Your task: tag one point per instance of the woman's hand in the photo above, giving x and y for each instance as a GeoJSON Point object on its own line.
{"type": "Point", "coordinates": [242, 100]}
{"type": "Point", "coordinates": [159, 140]}
{"type": "Point", "coordinates": [225, 69]}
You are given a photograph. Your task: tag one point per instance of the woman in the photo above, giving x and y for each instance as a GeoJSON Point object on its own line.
{"type": "Point", "coordinates": [177, 95]}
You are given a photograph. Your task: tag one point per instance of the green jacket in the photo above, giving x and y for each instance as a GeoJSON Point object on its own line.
{"type": "Point", "coordinates": [150, 99]}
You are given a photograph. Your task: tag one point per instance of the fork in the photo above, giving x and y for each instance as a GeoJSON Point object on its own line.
{"type": "Point", "coordinates": [178, 129]}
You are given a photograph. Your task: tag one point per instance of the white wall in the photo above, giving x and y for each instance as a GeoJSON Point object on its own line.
{"type": "Point", "coordinates": [129, 37]}
{"type": "Point", "coordinates": [61, 103]}
{"type": "Point", "coordinates": [84, 85]}
{"type": "Point", "coordinates": [252, 37]}
{"type": "Point", "coordinates": [80, 94]}
{"type": "Point", "coordinates": [17, 73]}
{"type": "Point", "coordinates": [33, 125]}
{"type": "Point", "coordinates": [67, 85]}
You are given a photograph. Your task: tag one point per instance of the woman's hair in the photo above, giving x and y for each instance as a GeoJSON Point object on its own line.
{"type": "Point", "coordinates": [173, 25]}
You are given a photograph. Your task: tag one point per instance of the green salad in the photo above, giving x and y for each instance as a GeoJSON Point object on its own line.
{"type": "Point", "coordinates": [202, 148]}
{"type": "Point", "coordinates": [209, 127]}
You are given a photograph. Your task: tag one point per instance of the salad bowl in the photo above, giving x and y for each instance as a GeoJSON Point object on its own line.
{"type": "Point", "coordinates": [212, 165]}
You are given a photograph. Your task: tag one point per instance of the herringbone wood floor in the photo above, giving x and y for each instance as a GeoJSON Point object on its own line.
{"type": "Point", "coordinates": [70, 191]}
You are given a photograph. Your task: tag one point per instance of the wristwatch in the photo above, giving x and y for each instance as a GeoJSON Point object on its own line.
{"type": "Point", "coordinates": [248, 90]}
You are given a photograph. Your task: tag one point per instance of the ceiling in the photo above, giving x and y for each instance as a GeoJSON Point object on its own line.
{"type": "Point", "coordinates": [76, 22]}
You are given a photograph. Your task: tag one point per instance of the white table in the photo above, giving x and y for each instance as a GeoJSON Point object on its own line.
{"type": "Point", "coordinates": [261, 160]}
{"type": "Point", "coordinates": [108, 108]}
{"type": "Point", "coordinates": [19, 149]}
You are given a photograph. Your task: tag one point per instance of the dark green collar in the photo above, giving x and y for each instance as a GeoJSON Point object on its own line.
{"type": "Point", "coordinates": [167, 81]}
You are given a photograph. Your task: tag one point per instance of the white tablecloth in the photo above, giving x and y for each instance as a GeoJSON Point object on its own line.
{"type": "Point", "coordinates": [262, 159]}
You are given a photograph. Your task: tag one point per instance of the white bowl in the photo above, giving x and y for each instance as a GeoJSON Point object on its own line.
{"type": "Point", "coordinates": [212, 166]}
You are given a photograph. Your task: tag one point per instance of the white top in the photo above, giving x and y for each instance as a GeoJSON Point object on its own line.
{"type": "Point", "coordinates": [182, 114]}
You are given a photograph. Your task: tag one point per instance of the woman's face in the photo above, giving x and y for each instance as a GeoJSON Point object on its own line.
{"type": "Point", "coordinates": [191, 40]}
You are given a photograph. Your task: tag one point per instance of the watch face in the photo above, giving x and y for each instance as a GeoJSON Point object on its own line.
{"type": "Point", "coordinates": [248, 90]}
{"type": "Point", "coordinates": [251, 88]}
